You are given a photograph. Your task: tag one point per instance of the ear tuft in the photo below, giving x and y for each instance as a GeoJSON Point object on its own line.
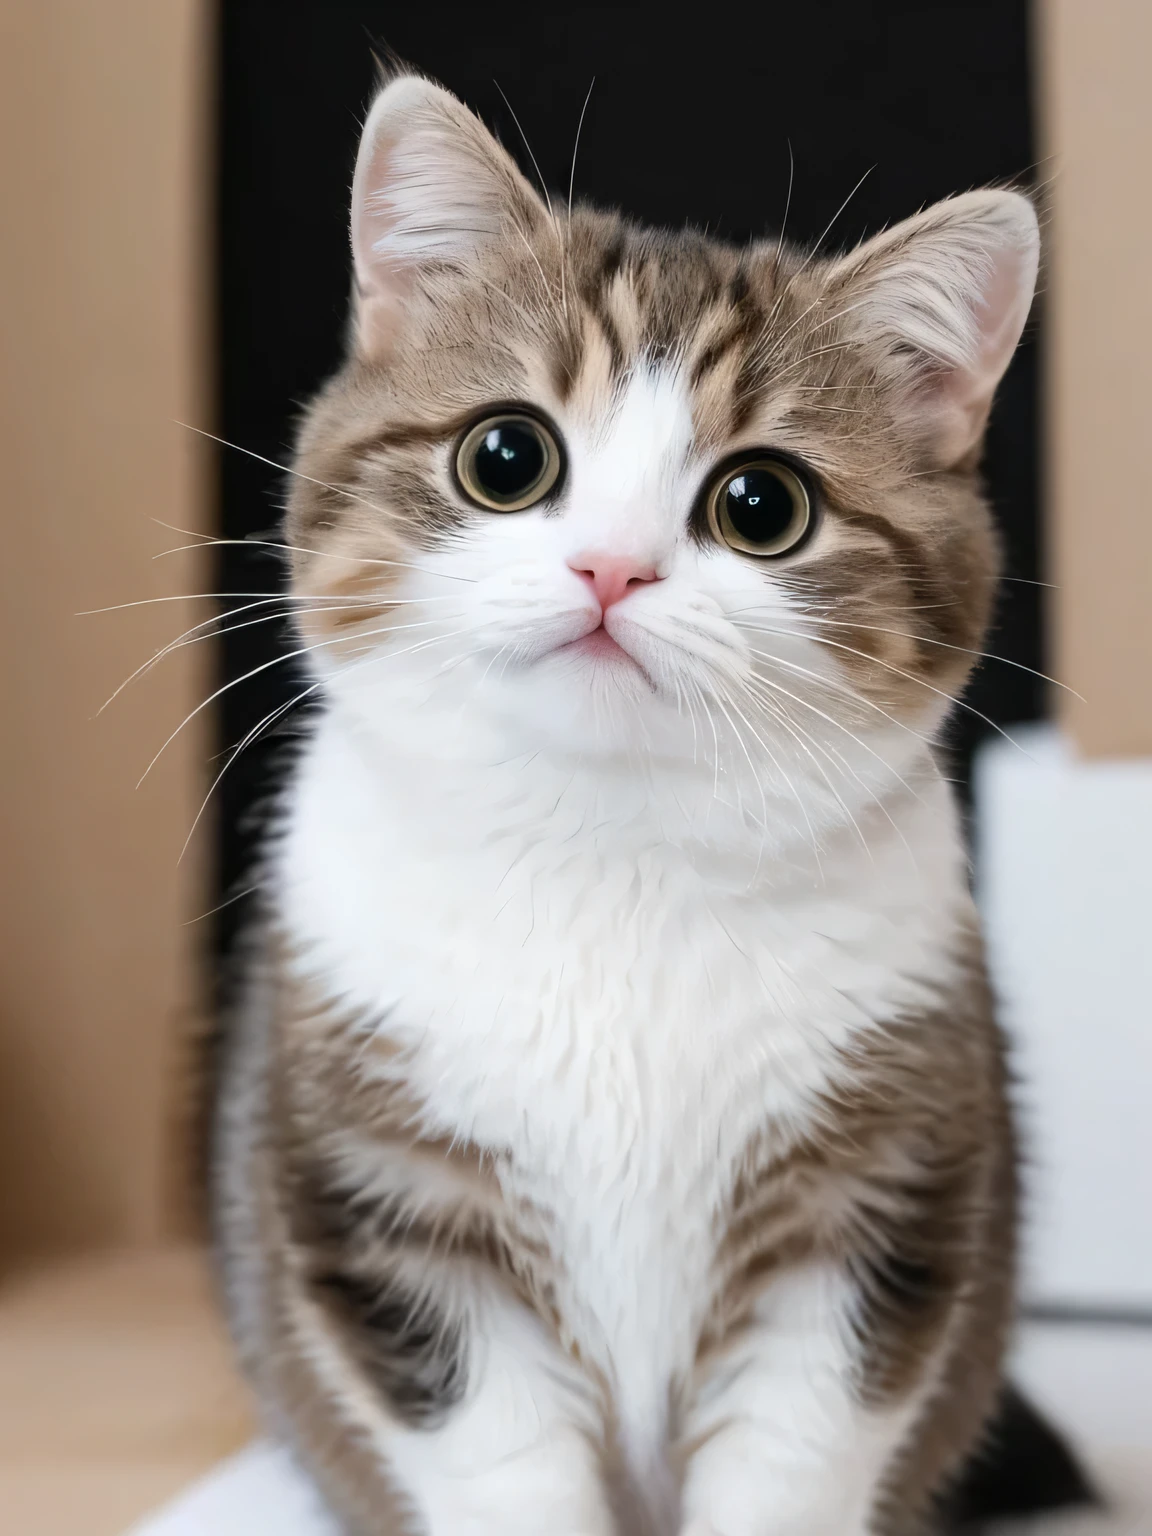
{"type": "Point", "coordinates": [941, 301]}
{"type": "Point", "coordinates": [432, 187]}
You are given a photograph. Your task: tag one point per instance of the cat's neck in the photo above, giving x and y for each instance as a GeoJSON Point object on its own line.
{"type": "Point", "coordinates": [455, 791]}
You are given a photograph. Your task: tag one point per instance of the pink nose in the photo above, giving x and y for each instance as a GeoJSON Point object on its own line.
{"type": "Point", "coordinates": [611, 577]}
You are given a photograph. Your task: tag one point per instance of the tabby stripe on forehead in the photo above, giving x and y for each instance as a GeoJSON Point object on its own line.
{"type": "Point", "coordinates": [611, 334]}
{"type": "Point", "coordinates": [410, 432]}
{"type": "Point", "coordinates": [739, 289]}
{"type": "Point", "coordinates": [565, 361]}
{"type": "Point", "coordinates": [746, 392]}
{"type": "Point", "coordinates": [747, 324]}
{"type": "Point", "coordinates": [740, 333]}
{"type": "Point", "coordinates": [613, 260]}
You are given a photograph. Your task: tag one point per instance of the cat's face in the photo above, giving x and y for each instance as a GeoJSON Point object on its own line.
{"type": "Point", "coordinates": [616, 489]}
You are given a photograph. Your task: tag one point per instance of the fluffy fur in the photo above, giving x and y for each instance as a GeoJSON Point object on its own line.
{"type": "Point", "coordinates": [615, 1136]}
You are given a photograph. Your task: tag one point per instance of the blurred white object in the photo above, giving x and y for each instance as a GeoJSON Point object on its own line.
{"type": "Point", "coordinates": [1064, 880]}
{"type": "Point", "coordinates": [257, 1493]}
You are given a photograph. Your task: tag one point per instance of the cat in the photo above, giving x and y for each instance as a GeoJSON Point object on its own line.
{"type": "Point", "coordinates": [614, 1136]}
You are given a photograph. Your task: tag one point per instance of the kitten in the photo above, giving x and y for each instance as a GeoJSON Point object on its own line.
{"type": "Point", "coordinates": [615, 1136]}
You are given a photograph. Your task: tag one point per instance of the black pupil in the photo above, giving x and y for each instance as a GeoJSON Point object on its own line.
{"type": "Point", "coordinates": [509, 460]}
{"type": "Point", "coordinates": [759, 506]}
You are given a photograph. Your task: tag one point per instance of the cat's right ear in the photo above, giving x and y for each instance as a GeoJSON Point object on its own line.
{"type": "Point", "coordinates": [938, 303]}
{"type": "Point", "coordinates": [432, 188]}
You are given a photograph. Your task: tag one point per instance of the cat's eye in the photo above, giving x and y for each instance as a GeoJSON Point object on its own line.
{"type": "Point", "coordinates": [759, 507]}
{"type": "Point", "coordinates": [508, 462]}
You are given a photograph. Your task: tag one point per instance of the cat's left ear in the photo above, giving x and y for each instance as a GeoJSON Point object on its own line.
{"type": "Point", "coordinates": [939, 302]}
{"type": "Point", "coordinates": [432, 189]}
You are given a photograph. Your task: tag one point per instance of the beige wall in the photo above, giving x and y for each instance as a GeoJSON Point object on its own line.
{"type": "Point", "coordinates": [101, 147]}
{"type": "Point", "coordinates": [1096, 116]}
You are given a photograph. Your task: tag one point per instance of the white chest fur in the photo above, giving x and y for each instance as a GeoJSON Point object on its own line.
{"type": "Point", "coordinates": [618, 1009]}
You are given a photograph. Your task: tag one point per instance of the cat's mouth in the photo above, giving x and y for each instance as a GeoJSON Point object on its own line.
{"type": "Point", "coordinates": [603, 649]}
{"type": "Point", "coordinates": [598, 642]}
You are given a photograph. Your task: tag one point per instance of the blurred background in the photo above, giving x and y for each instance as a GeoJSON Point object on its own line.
{"type": "Point", "coordinates": [174, 263]}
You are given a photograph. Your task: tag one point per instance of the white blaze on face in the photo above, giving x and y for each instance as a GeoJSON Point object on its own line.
{"type": "Point", "coordinates": [632, 477]}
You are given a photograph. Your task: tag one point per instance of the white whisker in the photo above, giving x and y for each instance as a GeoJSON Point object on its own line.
{"type": "Point", "coordinates": [337, 490]}
{"type": "Point", "coordinates": [837, 686]}
{"type": "Point", "coordinates": [787, 204]}
{"type": "Point", "coordinates": [767, 682]}
{"type": "Point", "coordinates": [782, 719]}
{"type": "Point", "coordinates": [191, 637]}
{"type": "Point", "coordinates": [795, 792]}
{"type": "Point", "coordinates": [945, 645]}
{"type": "Point", "coordinates": [576, 146]}
{"type": "Point", "coordinates": [910, 677]}
{"type": "Point", "coordinates": [270, 719]}
{"type": "Point", "coordinates": [399, 565]}
{"type": "Point", "coordinates": [334, 599]}
{"type": "Point", "coordinates": [303, 650]}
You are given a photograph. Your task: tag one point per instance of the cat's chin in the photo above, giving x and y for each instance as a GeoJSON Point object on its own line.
{"type": "Point", "coordinates": [589, 696]}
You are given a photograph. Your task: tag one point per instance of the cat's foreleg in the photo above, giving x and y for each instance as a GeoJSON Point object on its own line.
{"type": "Point", "coordinates": [519, 1454]}
{"type": "Point", "coordinates": [780, 1441]}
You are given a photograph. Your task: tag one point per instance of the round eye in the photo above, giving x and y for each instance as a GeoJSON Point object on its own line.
{"type": "Point", "coordinates": [507, 463]}
{"type": "Point", "coordinates": [760, 508]}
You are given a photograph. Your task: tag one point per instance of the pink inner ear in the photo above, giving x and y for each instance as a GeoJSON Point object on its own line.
{"type": "Point", "coordinates": [380, 317]}
{"type": "Point", "coordinates": [379, 177]}
{"type": "Point", "coordinates": [369, 218]}
{"type": "Point", "coordinates": [1000, 316]}
{"type": "Point", "coordinates": [431, 185]}
{"type": "Point", "coordinates": [963, 394]}
{"type": "Point", "coordinates": [951, 286]}
{"type": "Point", "coordinates": [382, 286]}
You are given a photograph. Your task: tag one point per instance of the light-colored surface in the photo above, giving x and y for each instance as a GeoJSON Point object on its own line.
{"type": "Point", "coordinates": [255, 1492]}
{"type": "Point", "coordinates": [102, 116]}
{"type": "Point", "coordinates": [1096, 1382]}
{"type": "Point", "coordinates": [1096, 132]}
{"type": "Point", "coordinates": [1064, 873]}
{"type": "Point", "coordinates": [118, 1390]}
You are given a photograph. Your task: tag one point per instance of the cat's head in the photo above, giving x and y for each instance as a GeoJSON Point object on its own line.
{"type": "Point", "coordinates": [614, 488]}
